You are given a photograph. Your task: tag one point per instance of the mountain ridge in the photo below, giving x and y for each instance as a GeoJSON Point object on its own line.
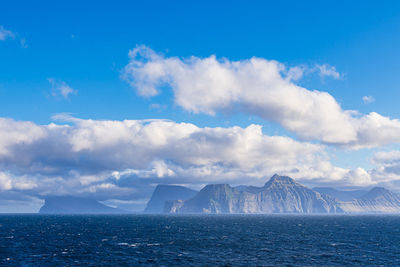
{"type": "Point", "coordinates": [282, 194]}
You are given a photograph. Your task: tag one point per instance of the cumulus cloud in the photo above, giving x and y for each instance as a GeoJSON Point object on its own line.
{"type": "Point", "coordinates": [386, 171]}
{"type": "Point", "coordinates": [387, 157]}
{"type": "Point", "coordinates": [61, 88]}
{"type": "Point", "coordinates": [374, 130]}
{"type": "Point", "coordinates": [5, 34]}
{"type": "Point", "coordinates": [262, 87]}
{"type": "Point", "coordinates": [109, 145]}
{"type": "Point", "coordinates": [368, 99]}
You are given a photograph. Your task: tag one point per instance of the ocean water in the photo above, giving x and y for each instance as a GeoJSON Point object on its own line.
{"type": "Point", "coordinates": [199, 240]}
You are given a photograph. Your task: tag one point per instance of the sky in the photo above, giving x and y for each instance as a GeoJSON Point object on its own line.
{"type": "Point", "coordinates": [108, 99]}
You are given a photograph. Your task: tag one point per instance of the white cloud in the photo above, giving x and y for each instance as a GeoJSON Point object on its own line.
{"type": "Point", "coordinates": [5, 182]}
{"type": "Point", "coordinates": [388, 163]}
{"type": "Point", "coordinates": [375, 130]}
{"type": "Point", "coordinates": [13, 133]}
{"type": "Point", "coordinates": [385, 173]}
{"type": "Point", "coordinates": [5, 34]}
{"type": "Point", "coordinates": [368, 99]}
{"type": "Point", "coordinates": [387, 157]}
{"type": "Point", "coordinates": [327, 71]}
{"type": "Point", "coordinates": [359, 177]}
{"type": "Point", "coordinates": [61, 88]}
{"type": "Point", "coordinates": [8, 182]}
{"type": "Point", "coordinates": [296, 73]}
{"type": "Point", "coordinates": [261, 87]}
{"type": "Point", "coordinates": [109, 145]}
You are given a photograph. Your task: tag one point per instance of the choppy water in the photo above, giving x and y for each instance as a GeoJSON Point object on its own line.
{"type": "Point", "coordinates": [230, 240]}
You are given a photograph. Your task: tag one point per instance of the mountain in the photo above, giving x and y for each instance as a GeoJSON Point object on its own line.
{"type": "Point", "coordinates": [377, 200]}
{"type": "Point", "coordinates": [215, 198]}
{"type": "Point", "coordinates": [342, 195]}
{"type": "Point", "coordinates": [163, 193]}
{"type": "Point", "coordinates": [281, 194]}
{"type": "Point", "coordinates": [75, 205]}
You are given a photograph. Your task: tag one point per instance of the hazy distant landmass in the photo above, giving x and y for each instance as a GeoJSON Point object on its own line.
{"type": "Point", "coordinates": [377, 200]}
{"type": "Point", "coordinates": [282, 194]}
{"type": "Point", "coordinates": [163, 193]}
{"type": "Point", "coordinates": [342, 195]}
{"type": "Point", "coordinates": [76, 205]}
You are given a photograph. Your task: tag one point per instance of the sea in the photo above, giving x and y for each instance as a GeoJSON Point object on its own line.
{"type": "Point", "coordinates": [199, 240]}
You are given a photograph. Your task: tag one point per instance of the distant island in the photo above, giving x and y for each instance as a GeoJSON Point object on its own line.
{"type": "Point", "coordinates": [281, 194]}
{"type": "Point", "coordinates": [76, 205]}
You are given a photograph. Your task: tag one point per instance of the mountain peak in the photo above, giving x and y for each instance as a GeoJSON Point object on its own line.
{"type": "Point", "coordinates": [378, 189]}
{"type": "Point", "coordinates": [277, 179]}
{"type": "Point", "coordinates": [377, 192]}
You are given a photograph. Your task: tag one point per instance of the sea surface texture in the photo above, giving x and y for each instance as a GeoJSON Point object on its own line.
{"type": "Point", "coordinates": [199, 240]}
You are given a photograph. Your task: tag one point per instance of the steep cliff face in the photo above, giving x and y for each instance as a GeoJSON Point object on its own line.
{"type": "Point", "coordinates": [163, 193]}
{"type": "Point", "coordinates": [216, 198]}
{"type": "Point", "coordinates": [280, 194]}
{"type": "Point", "coordinates": [377, 200]}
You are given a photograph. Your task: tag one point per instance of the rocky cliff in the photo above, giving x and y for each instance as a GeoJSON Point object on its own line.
{"type": "Point", "coordinates": [164, 193]}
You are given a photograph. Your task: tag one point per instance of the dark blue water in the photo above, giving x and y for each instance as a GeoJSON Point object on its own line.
{"type": "Point", "coordinates": [229, 240]}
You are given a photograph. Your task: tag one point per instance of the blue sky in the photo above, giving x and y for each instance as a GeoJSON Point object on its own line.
{"type": "Point", "coordinates": [85, 46]}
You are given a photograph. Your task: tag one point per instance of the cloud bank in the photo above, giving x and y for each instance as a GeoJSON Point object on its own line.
{"type": "Point", "coordinates": [265, 88]}
{"type": "Point", "coordinates": [124, 159]}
